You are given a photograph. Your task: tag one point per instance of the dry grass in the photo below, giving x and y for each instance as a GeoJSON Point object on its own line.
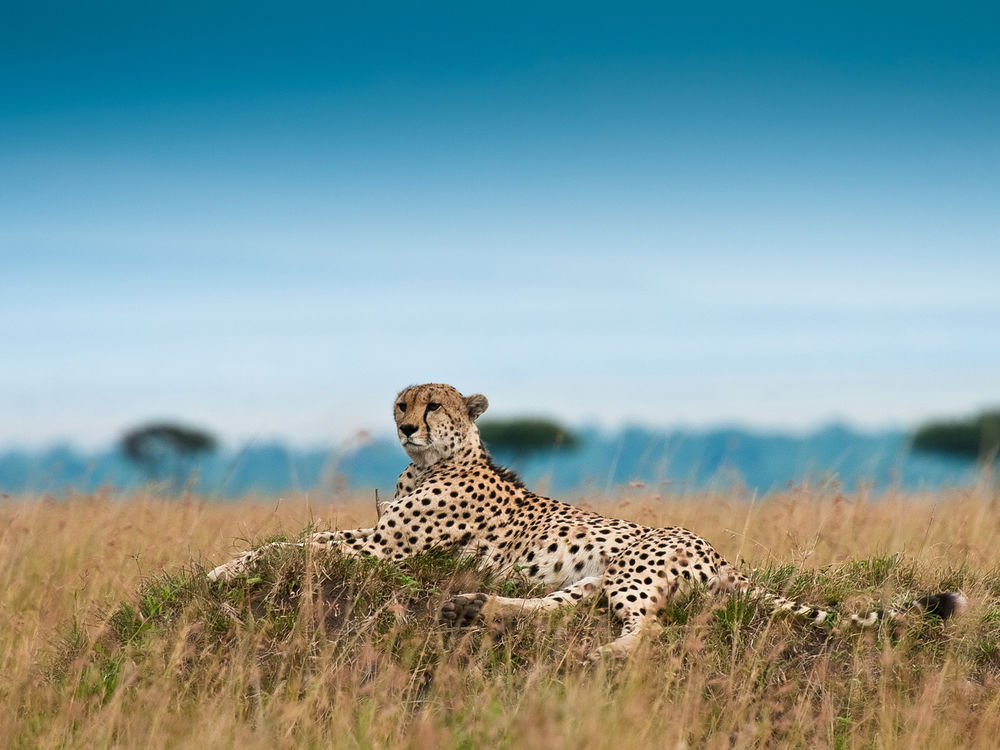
{"type": "Point", "coordinates": [111, 637]}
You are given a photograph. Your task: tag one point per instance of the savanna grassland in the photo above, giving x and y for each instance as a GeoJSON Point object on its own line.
{"type": "Point", "coordinates": [111, 637]}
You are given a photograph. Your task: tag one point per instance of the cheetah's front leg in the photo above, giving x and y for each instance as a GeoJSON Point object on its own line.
{"type": "Point", "coordinates": [349, 542]}
{"type": "Point", "coordinates": [465, 609]}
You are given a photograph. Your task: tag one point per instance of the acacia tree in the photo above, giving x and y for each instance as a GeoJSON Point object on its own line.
{"type": "Point", "coordinates": [524, 436]}
{"type": "Point", "coordinates": [165, 450]}
{"type": "Point", "coordinates": [974, 439]}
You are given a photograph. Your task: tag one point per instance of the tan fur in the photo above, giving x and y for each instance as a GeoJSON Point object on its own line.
{"type": "Point", "coordinates": [452, 496]}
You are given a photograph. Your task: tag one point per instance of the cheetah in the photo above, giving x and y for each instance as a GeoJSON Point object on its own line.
{"type": "Point", "coordinates": [453, 496]}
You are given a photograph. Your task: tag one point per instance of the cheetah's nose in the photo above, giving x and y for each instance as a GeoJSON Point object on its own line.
{"type": "Point", "coordinates": [407, 429]}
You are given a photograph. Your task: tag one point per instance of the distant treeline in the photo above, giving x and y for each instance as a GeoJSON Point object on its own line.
{"type": "Point", "coordinates": [676, 461]}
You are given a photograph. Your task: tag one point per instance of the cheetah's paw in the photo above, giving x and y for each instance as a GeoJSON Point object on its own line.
{"type": "Point", "coordinates": [463, 610]}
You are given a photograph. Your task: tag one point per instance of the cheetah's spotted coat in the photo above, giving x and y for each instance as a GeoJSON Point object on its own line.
{"type": "Point", "coordinates": [453, 496]}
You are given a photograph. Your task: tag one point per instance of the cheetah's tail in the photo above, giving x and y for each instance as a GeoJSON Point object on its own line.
{"type": "Point", "coordinates": [944, 605]}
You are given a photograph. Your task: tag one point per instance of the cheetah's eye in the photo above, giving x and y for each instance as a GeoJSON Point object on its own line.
{"type": "Point", "coordinates": [401, 406]}
{"type": "Point", "coordinates": [433, 406]}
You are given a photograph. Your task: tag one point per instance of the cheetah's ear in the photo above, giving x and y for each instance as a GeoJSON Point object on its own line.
{"type": "Point", "coordinates": [476, 404]}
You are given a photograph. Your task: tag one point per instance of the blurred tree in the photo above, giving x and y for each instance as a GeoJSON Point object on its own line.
{"type": "Point", "coordinates": [165, 450]}
{"type": "Point", "coordinates": [974, 439]}
{"type": "Point", "coordinates": [524, 436]}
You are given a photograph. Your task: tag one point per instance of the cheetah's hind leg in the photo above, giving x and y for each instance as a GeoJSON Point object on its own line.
{"type": "Point", "coordinates": [638, 612]}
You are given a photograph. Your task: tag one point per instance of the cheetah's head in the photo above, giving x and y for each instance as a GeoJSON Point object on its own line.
{"type": "Point", "coordinates": [434, 421]}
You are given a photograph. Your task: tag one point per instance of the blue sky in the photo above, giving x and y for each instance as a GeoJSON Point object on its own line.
{"type": "Point", "coordinates": [266, 220]}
